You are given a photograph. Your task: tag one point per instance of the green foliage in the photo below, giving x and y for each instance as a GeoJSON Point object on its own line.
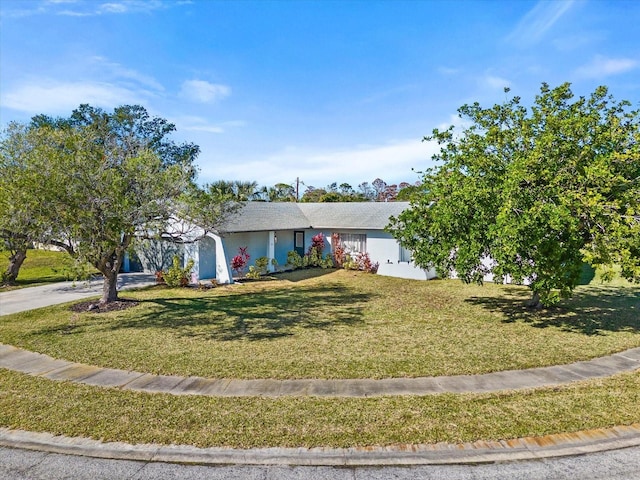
{"type": "Point", "coordinates": [253, 273]}
{"type": "Point", "coordinates": [538, 191]}
{"type": "Point", "coordinates": [294, 260]}
{"type": "Point", "coordinates": [176, 275]}
{"type": "Point", "coordinates": [313, 257]}
{"type": "Point", "coordinates": [327, 261]}
{"type": "Point", "coordinates": [235, 191]}
{"type": "Point", "coordinates": [360, 261]}
{"type": "Point", "coordinates": [262, 264]}
{"type": "Point", "coordinates": [260, 268]}
{"type": "Point", "coordinates": [75, 269]}
{"type": "Point", "coordinates": [93, 181]}
{"type": "Point", "coordinates": [349, 262]}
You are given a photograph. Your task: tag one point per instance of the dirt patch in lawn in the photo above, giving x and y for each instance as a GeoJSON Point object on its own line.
{"type": "Point", "coordinates": [96, 307]}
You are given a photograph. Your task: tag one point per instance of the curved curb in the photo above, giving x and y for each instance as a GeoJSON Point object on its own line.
{"type": "Point", "coordinates": [528, 448]}
{"type": "Point", "coordinates": [40, 365]}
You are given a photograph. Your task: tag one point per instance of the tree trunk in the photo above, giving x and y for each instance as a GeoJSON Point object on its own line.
{"type": "Point", "coordinates": [109, 267]}
{"type": "Point", "coordinates": [15, 262]}
{"type": "Point", "coordinates": [109, 287]}
{"type": "Point", "coordinates": [535, 302]}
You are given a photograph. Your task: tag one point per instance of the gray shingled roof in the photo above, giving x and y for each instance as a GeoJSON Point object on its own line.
{"type": "Point", "coordinates": [262, 216]}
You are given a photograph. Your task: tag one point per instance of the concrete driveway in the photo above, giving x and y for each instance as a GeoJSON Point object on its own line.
{"type": "Point", "coordinates": [29, 298]}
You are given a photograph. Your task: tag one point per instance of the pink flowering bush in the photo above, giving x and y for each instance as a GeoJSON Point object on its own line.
{"type": "Point", "coordinates": [239, 262]}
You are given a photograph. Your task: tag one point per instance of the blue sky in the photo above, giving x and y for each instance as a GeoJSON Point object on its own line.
{"type": "Point", "coordinates": [325, 91]}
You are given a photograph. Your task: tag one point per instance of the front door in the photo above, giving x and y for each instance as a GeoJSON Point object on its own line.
{"type": "Point", "coordinates": [298, 242]}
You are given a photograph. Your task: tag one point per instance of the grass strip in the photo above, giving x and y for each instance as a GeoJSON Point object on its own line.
{"type": "Point", "coordinates": [37, 404]}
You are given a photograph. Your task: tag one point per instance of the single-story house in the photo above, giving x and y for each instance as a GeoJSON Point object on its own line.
{"type": "Point", "coordinates": [272, 229]}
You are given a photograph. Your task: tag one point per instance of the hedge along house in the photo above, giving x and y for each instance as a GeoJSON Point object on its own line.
{"type": "Point", "coordinates": [272, 229]}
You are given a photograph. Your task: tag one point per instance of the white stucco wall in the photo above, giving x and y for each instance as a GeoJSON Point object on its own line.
{"type": "Point", "coordinates": [405, 270]}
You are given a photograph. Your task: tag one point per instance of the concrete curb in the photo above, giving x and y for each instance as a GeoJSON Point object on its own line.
{"type": "Point", "coordinates": [529, 448]}
{"type": "Point", "coordinates": [37, 364]}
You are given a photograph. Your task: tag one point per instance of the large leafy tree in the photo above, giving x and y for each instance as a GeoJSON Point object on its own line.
{"type": "Point", "coordinates": [104, 178]}
{"type": "Point", "coordinates": [20, 210]}
{"type": "Point", "coordinates": [531, 194]}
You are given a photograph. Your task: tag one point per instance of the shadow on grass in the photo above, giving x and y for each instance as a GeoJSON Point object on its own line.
{"type": "Point", "coordinates": [251, 316]}
{"type": "Point", "coordinates": [291, 275]}
{"type": "Point", "coordinates": [592, 310]}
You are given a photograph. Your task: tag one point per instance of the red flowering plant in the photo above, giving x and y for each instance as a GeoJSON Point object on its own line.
{"type": "Point", "coordinates": [239, 262]}
{"type": "Point", "coordinates": [365, 264]}
{"type": "Point", "coordinates": [339, 253]}
{"type": "Point", "coordinates": [314, 254]}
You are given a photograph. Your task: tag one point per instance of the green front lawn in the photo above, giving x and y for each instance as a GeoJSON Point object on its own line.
{"type": "Point", "coordinates": [40, 266]}
{"type": "Point", "coordinates": [335, 324]}
{"type": "Point", "coordinates": [326, 324]}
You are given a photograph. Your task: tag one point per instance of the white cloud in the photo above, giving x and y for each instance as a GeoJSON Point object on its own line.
{"type": "Point", "coordinates": [601, 67]}
{"type": "Point", "coordinates": [538, 21]}
{"type": "Point", "coordinates": [201, 91]}
{"type": "Point", "coordinates": [458, 123]}
{"type": "Point", "coordinates": [391, 162]}
{"type": "Point", "coordinates": [95, 80]}
{"type": "Point", "coordinates": [62, 97]}
{"type": "Point", "coordinates": [494, 82]}
{"type": "Point", "coordinates": [121, 73]}
{"type": "Point", "coordinates": [86, 9]}
{"type": "Point", "coordinates": [200, 124]}
{"type": "Point", "coordinates": [113, 8]}
{"type": "Point", "coordinates": [73, 13]}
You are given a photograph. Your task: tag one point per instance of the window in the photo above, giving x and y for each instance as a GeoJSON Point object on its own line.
{"type": "Point", "coordinates": [353, 242]}
{"type": "Point", "coordinates": [404, 255]}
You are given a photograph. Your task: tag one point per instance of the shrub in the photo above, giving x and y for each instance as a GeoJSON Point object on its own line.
{"type": "Point", "coordinates": [294, 260]}
{"type": "Point", "coordinates": [239, 262]}
{"type": "Point", "coordinates": [349, 263]}
{"type": "Point", "coordinates": [362, 262]}
{"type": "Point", "coordinates": [262, 264]}
{"type": "Point", "coordinates": [339, 253]}
{"type": "Point", "coordinates": [327, 261]}
{"type": "Point", "coordinates": [261, 267]}
{"type": "Point", "coordinates": [176, 276]}
{"type": "Point", "coordinates": [313, 258]}
{"type": "Point", "coordinates": [365, 264]}
{"type": "Point", "coordinates": [253, 273]}
{"type": "Point", "coordinates": [317, 243]}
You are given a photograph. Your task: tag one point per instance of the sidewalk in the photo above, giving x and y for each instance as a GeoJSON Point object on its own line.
{"type": "Point", "coordinates": [30, 298]}
{"type": "Point", "coordinates": [40, 365]}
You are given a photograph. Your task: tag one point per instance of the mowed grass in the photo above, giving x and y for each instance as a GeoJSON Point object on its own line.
{"type": "Point", "coordinates": [335, 324]}
{"type": "Point", "coordinates": [37, 404]}
{"type": "Point", "coordinates": [40, 266]}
